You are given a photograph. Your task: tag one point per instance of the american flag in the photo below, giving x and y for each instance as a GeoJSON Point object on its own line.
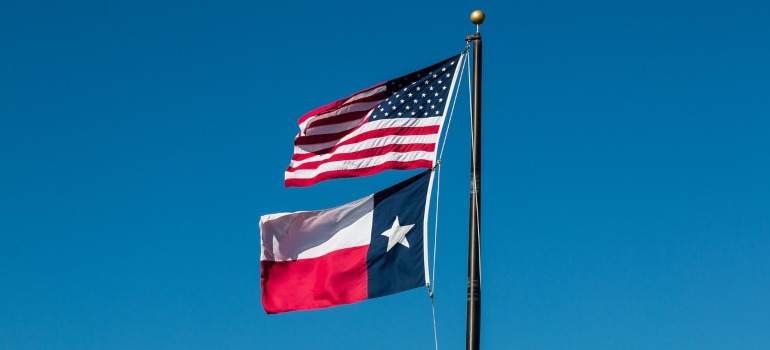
{"type": "Point", "coordinates": [392, 125]}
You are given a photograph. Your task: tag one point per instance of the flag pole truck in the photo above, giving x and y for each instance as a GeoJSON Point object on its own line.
{"type": "Point", "coordinates": [474, 265]}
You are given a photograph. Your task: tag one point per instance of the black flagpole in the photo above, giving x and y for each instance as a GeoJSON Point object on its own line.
{"type": "Point", "coordinates": [474, 264]}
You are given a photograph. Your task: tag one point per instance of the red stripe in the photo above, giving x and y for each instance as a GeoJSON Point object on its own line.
{"type": "Point", "coordinates": [337, 174]}
{"type": "Point", "coordinates": [337, 278]}
{"type": "Point", "coordinates": [382, 132]}
{"type": "Point", "coordinates": [368, 135]}
{"type": "Point", "coordinates": [369, 152]}
{"type": "Point", "coordinates": [343, 118]}
{"type": "Point", "coordinates": [371, 100]}
{"type": "Point", "coordinates": [323, 138]}
{"type": "Point", "coordinates": [337, 104]}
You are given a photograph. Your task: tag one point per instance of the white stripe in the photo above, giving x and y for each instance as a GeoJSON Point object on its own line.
{"type": "Point", "coordinates": [311, 234]}
{"type": "Point", "coordinates": [333, 128]}
{"type": "Point", "coordinates": [338, 127]}
{"type": "Point", "coordinates": [356, 97]}
{"type": "Point", "coordinates": [360, 163]}
{"type": "Point", "coordinates": [372, 125]}
{"type": "Point", "coordinates": [365, 94]}
{"type": "Point", "coordinates": [370, 143]}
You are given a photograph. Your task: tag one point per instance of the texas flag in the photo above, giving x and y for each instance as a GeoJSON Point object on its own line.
{"type": "Point", "coordinates": [369, 248]}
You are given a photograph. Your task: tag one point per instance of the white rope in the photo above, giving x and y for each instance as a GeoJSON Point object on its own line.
{"type": "Point", "coordinates": [435, 331]}
{"type": "Point", "coordinates": [438, 175]}
{"type": "Point", "coordinates": [435, 244]}
{"type": "Point", "coordinates": [452, 110]}
{"type": "Point", "coordinates": [435, 237]}
{"type": "Point", "coordinates": [435, 231]}
{"type": "Point", "coordinates": [432, 285]}
{"type": "Point", "coordinates": [470, 99]}
{"type": "Point", "coordinates": [473, 183]}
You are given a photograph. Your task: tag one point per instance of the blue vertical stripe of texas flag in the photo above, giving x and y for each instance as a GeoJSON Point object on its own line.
{"type": "Point", "coordinates": [401, 268]}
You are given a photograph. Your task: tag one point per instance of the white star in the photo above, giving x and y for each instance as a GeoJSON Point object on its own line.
{"type": "Point", "coordinates": [397, 234]}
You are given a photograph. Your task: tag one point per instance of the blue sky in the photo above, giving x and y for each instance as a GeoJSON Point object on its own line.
{"type": "Point", "coordinates": [626, 199]}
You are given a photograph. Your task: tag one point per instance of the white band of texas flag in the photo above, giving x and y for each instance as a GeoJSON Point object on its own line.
{"type": "Point", "coordinates": [368, 248]}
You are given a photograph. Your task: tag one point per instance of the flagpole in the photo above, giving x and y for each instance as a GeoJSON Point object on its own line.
{"type": "Point", "coordinates": [474, 262]}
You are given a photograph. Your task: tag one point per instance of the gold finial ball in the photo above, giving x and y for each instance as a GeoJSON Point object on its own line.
{"type": "Point", "coordinates": [477, 17]}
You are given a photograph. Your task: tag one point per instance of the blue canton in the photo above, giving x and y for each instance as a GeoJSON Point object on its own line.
{"type": "Point", "coordinates": [420, 94]}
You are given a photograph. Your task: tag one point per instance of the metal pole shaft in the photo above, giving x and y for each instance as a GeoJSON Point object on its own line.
{"type": "Point", "coordinates": [474, 264]}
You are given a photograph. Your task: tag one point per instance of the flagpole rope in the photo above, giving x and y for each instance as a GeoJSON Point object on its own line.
{"type": "Point", "coordinates": [432, 285]}
{"type": "Point", "coordinates": [435, 329]}
{"type": "Point", "coordinates": [473, 183]}
{"type": "Point", "coordinates": [435, 237]}
{"type": "Point", "coordinates": [435, 232]}
{"type": "Point", "coordinates": [452, 110]}
{"type": "Point", "coordinates": [438, 181]}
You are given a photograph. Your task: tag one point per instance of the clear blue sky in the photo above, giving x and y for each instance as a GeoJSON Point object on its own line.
{"type": "Point", "coordinates": [626, 175]}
